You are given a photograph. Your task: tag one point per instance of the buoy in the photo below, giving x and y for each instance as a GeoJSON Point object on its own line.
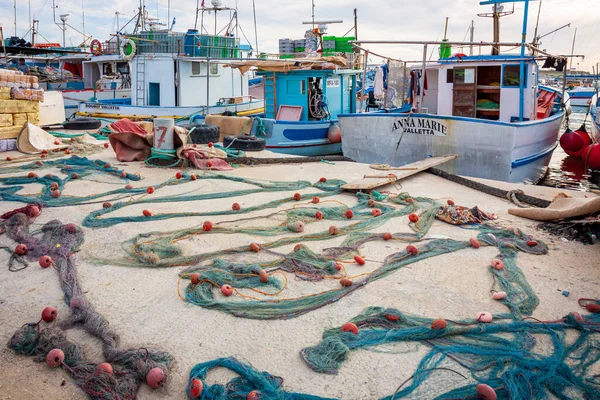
{"type": "Point", "coordinates": [209, 164]}
{"type": "Point", "coordinates": [498, 265]}
{"type": "Point", "coordinates": [123, 174]}
{"type": "Point", "coordinates": [210, 144]}
{"type": "Point", "coordinates": [499, 296]}
{"type": "Point", "coordinates": [591, 156]}
{"type": "Point", "coordinates": [577, 316]}
{"type": "Point", "coordinates": [388, 236]}
{"type": "Point", "coordinates": [44, 151]}
{"type": "Point", "coordinates": [147, 213]}
{"type": "Point", "coordinates": [150, 190]}
{"type": "Point", "coordinates": [414, 218]}
{"type": "Point", "coordinates": [236, 207]}
{"type": "Point", "coordinates": [53, 186]}
{"type": "Point", "coordinates": [346, 282]}
{"type": "Point", "coordinates": [392, 317]}
{"type": "Point", "coordinates": [34, 211]}
{"type": "Point", "coordinates": [593, 308]}
{"type": "Point", "coordinates": [376, 212]}
{"type": "Point", "coordinates": [32, 175]}
{"type": "Point", "coordinates": [178, 175]}
{"type": "Point", "coordinates": [195, 278]}
{"type": "Point", "coordinates": [128, 187]}
{"type": "Point", "coordinates": [104, 367]}
{"type": "Point", "coordinates": [486, 392]}
{"type": "Point", "coordinates": [316, 200]}
{"type": "Point", "coordinates": [297, 196]}
{"type": "Point", "coordinates": [106, 166]}
{"type": "Point", "coordinates": [155, 378]}
{"type": "Point", "coordinates": [227, 290]}
{"type": "Point", "coordinates": [323, 180]}
{"type": "Point", "coordinates": [38, 162]}
{"type": "Point", "coordinates": [371, 203]}
{"type": "Point", "coordinates": [43, 155]}
{"type": "Point", "coordinates": [106, 205]}
{"type": "Point", "coordinates": [74, 175]}
{"type": "Point", "coordinates": [71, 228]}
{"type": "Point", "coordinates": [350, 327]}
{"type": "Point", "coordinates": [532, 243]}
{"type": "Point", "coordinates": [571, 142]}
{"type": "Point", "coordinates": [338, 266]}
{"type": "Point", "coordinates": [194, 177]}
{"type": "Point", "coordinates": [21, 249]}
{"type": "Point", "coordinates": [196, 388]}
{"type": "Point", "coordinates": [409, 200]}
{"type": "Point", "coordinates": [67, 151]}
{"type": "Point", "coordinates": [264, 278]}
{"type": "Point", "coordinates": [298, 227]}
{"type": "Point", "coordinates": [45, 261]}
{"type": "Point", "coordinates": [207, 227]}
{"type": "Point", "coordinates": [349, 214]}
{"type": "Point", "coordinates": [49, 314]}
{"type": "Point", "coordinates": [439, 324]}
{"type": "Point", "coordinates": [475, 243]}
{"type": "Point", "coordinates": [334, 134]}
{"type": "Point", "coordinates": [359, 260]}
{"type": "Point", "coordinates": [450, 202]}
{"type": "Point", "coordinates": [56, 142]}
{"type": "Point", "coordinates": [319, 215]}
{"type": "Point", "coordinates": [484, 317]}
{"type": "Point", "coordinates": [255, 247]}
{"type": "Point", "coordinates": [297, 247]}
{"type": "Point", "coordinates": [9, 159]}
{"type": "Point", "coordinates": [55, 357]}
{"type": "Point", "coordinates": [106, 145]}
{"type": "Point", "coordinates": [412, 250]}
{"type": "Point", "coordinates": [333, 230]}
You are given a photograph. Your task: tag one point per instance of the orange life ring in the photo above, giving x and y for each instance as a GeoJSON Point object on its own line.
{"type": "Point", "coordinates": [96, 47]}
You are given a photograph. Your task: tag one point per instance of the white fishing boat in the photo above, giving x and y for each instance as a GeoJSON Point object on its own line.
{"type": "Point", "coordinates": [488, 109]}
{"type": "Point", "coordinates": [595, 114]}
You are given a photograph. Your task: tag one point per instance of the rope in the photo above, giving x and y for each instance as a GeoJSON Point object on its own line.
{"type": "Point", "coordinates": [163, 155]}
{"type": "Point", "coordinates": [290, 160]}
{"type": "Point", "coordinates": [512, 196]}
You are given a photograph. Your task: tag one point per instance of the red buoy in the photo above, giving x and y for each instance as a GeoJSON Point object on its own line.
{"type": "Point", "coordinates": [498, 265]}
{"type": "Point", "coordinates": [227, 290]}
{"type": "Point", "coordinates": [350, 327]}
{"type": "Point", "coordinates": [323, 180]}
{"type": "Point", "coordinates": [485, 317]}
{"type": "Point", "coordinates": [210, 144]}
{"type": "Point", "coordinates": [106, 166]}
{"type": "Point", "coordinates": [409, 200]}
{"type": "Point", "coordinates": [359, 260]}
{"type": "Point", "coordinates": [450, 202]}
{"type": "Point", "coordinates": [439, 324]}
{"type": "Point", "coordinates": [412, 250]}
{"type": "Point", "coordinates": [147, 213]}
{"type": "Point", "coordinates": [155, 378]}
{"type": "Point", "coordinates": [333, 230]}
{"type": "Point", "coordinates": [9, 159]}
{"type": "Point", "coordinates": [178, 175]}
{"type": "Point", "coordinates": [591, 156]}
{"type": "Point", "coordinates": [414, 218]}
{"type": "Point", "coordinates": [45, 261]}
{"type": "Point", "coordinates": [128, 187]}
{"type": "Point", "coordinates": [74, 175]}
{"type": "Point", "coordinates": [106, 145]}
{"type": "Point", "coordinates": [371, 203]}
{"type": "Point", "coordinates": [150, 190]}
{"type": "Point", "coordinates": [338, 266]}
{"type": "Point", "coordinates": [57, 142]}
{"type": "Point", "coordinates": [376, 212]}
{"type": "Point", "coordinates": [486, 392]}
{"type": "Point", "coordinates": [55, 358]}
{"type": "Point", "coordinates": [21, 250]}
{"type": "Point", "coordinates": [255, 247]}
{"type": "Point", "coordinates": [532, 243]}
{"type": "Point", "coordinates": [195, 278]}
{"type": "Point", "coordinates": [475, 243]}
{"type": "Point", "coordinates": [104, 368]}
{"type": "Point", "coordinates": [196, 388]}
{"type": "Point", "coordinates": [319, 215]}
{"type": "Point", "coordinates": [207, 227]}
{"type": "Point", "coordinates": [236, 207]}
{"type": "Point", "coordinates": [297, 247]}
{"type": "Point", "coordinates": [346, 282]}
{"type": "Point", "coordinates": [43, 155]}
{"type": "Point", "coordinates": [209, 164]}
{"type": "Point", "coordinates": [388, 236]}
{"type": "Point", "coordinates": [392, 317]}
{"type": "Point", "coordinates": [571, 142]}
{"type": "Point", "coordinates": [264, 278]}
{"type": "Point", "coordinates": [349, 214]}
{"type": "Point", "coordinates": [297, 196]}
{"type": "Point", "coordinates": [334, 134]}
{"type": "Point", "coordinates": [593, 308]}
{"type": "Point", "coordinates": [106, 205]}
{"type": "Point", "coordinates": [49, 314]}
{"type": "Point", "coordinates": [38, 162]}
{"type": "Point", "coordinates": [316, 200]}
{"type": "Point", "coordinates": [32, 175]}
{"type": "Point", "coordinates": [71, 228]}
{"type": "Point", "coordinates": [67, 151]}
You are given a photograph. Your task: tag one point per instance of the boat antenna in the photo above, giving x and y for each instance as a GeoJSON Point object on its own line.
{"type": "Point", "coordinates": [255, 30]}
{"type": "Point", "coordinates": [168, 11]}
{"type": "Point", "coordinates": [355, 24]}
{"type": "Point", "coordinates": [573, 50]}
{"type": "Point", "coordinates": [497, 13]}
{"type": "Point", "coordinates": [31, 40]}
{"type": "Point", "coordinates": [83, 22]}
{"type": "Point", "coordinates": [15, 16]}
{"type": "Point", "coordinates": [472, 37]}
{"type": "Point", "coordinates": [537, 24]}
{"type": "Point", "coordinates": [313, 14]}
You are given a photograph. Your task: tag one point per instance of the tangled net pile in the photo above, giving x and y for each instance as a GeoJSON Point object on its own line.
{"type": "Point", "coordinates": [131, 367]}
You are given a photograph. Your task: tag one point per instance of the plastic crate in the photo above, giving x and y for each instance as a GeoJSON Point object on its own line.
{"type": "Point", "coordinates": [286, 56]}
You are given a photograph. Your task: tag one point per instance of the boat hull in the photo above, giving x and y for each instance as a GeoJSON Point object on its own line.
{"type": "Point", "coordinates": [73, 98]}
{"type": "Point", "coordinates": [511, 152]}
{"type": "Point", "coordinates": [304, 138]}
{"type": "Point", "coordinates": [581, 98]}
{"type": "Point", "coordinates": [595, 114]}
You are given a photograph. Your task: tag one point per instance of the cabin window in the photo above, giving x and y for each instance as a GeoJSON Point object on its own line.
{"type": "Point", "coordinates": [464, 76]}
{"type": "Point", "coordinates": [450, 76]}
{"type": "Point", "coordinates": [107, 69]}
{"type": "Point", "coordinates": [214, 69]}
{"type": "Point", "coordinates": [195, 68]}
{"type": "Point", "coordinates": [511, 76]}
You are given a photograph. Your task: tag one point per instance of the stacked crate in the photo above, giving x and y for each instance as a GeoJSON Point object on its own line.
{"type": "Point", "coordinates": [20, 98]}
{"type": "Point", "coordinates": [299, 47]}
{"type": "Point", "coordinates": [286, 48]}
{"type": "Point", "coordinates": [328, 46]}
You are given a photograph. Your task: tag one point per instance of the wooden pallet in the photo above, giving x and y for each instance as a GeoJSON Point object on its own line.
{"type": "Point", "coordinates": [378, 179]}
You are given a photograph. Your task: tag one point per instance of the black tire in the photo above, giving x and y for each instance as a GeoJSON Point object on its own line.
{"type": "Point", "coordinates": [244, 142]}
{"type": "Point", "coordinates": [82, 124]}
{"type": "Point", "coordinates": [202, 133]}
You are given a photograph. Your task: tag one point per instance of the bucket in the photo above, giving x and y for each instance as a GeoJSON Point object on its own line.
{"type": "Point", "coordinates": [189, 44]}
{"type": "Point", "coordinates": [445, 50]}
{"type": "Point", "coordinates": [163, 133]}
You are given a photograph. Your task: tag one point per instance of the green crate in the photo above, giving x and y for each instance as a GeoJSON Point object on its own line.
{"type": "Point", "coordinates": [286, 56]}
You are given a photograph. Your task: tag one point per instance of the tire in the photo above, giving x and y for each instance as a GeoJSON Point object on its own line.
{"type": "Point", "coordinates": [202, 133]}
{"type": "Point", "coordinates": [244, 142]}
{"type": "Point", "coordinates": [82, 124]}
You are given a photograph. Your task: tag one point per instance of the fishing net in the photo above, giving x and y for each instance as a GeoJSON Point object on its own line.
{"type": "Point", "coordinates": [59, 242]}
{"type": "Point", "coordinates": [77, 145]}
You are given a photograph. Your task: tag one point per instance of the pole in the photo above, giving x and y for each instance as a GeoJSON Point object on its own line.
{"type": "Point", "coordinates": [255, 31]}
{"type": "Point", "coordinates": [15, 16]}
{"type": "Point", "coordinates": [207, 85]}
{"type": "Point", "coordinates": [446, 29]}
{"type": "Point", "coordinates": [355, 24]}
{"type": "Point", "coordinates": [495, 49]}
{"type": "Point", "coordinates": [573, 49]}
{"type": "Point", "coordinates": [30, 22]}
{"type": "Point", "coordinates": [472, 37]}
{"type": "Point", "coordinates": [537, 24]}
{"type": "Point", "coordinates": [168, 13]}
{"type": "Point", "coordinates": [64, 29]}
{"type": "Point", "coordinates": [422, 78]}
{"type": "Point", "coordinates": [364, 80]}
{"type": "Point", "coordinates": [313, 15]}
{"type": "Point", "coordinates": [83, 22]}
{"type": "Point", "coordinates": [403, 83]}
{"type": "Point", "coordinates": [522, 63]}
{"type": "Point", "coordinates": [197, 8]}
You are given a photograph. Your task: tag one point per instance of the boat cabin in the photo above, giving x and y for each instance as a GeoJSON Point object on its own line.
{"type": "Point", "coordinates": [485, 87]}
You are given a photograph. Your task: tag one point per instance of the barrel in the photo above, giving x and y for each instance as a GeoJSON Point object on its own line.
{"type": "Point", "coordinates": [445, 50]}
{"type": "Point", "coordinates": [163, 133]}
{"type": "Point", "coordinates": [190, 44]}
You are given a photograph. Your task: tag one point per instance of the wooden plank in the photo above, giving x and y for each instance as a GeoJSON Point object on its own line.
{"type": "Point", "coordinates": [373, 181]}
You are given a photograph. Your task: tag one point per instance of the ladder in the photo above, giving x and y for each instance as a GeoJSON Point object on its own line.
{"type": "Point", "coordinates": [270, 87]}
{"type": "Point", "coordinates": [140, 80]}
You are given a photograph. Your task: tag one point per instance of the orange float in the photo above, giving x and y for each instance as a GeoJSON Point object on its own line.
{"type": "Point", "coordinates": [227, 290]}
{"type": "Point", "coordinates": [414, 218]}
{"type": "Point", "coordinates": [439, 324]}
{"type": "Point", "coordinates": [346, 282]}
{"type": "Point", "coordinates": [196, 388]}
{"type": "Point", "coordinates": [49, 314]}
{"type": "Point", "coordinates": [333, 230]}
{"type": "Point", "coordinates": [359, 260]}
{"type": "Point", "coordinates": [150, 190]}
{"type": "Point", "coordinates": [255, 247]}
{"type": "Point", "coordinates": [45, 261]}
{"type": "Point", "coordinates": [55, 358]}
{"type": "Point", "coordinates": [387, 236]}
{"type": "Point", "coordinates": [147, 213]}
{"type": "Point", "coordinates": [350, 327]}
{"type": "Point", "coordinates": [195, 278]}
{"type": "Point", "coordinates": [104, 367]}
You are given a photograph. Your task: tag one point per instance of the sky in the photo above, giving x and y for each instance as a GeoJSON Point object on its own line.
{"type": "Point", "coordinates": [379, 20]}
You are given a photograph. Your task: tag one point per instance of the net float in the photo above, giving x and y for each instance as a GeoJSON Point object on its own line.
{"type": "Point", "coordinates": [297, 196]}
{"type": "Point", "coordinates": [194, 146]}
{"type": "Point", "coordinates": [439, 324]}
{"type": "Point", "coordinates": [593, 308]}
{"type": "Point", "coordinates": [412, 250]}
{"type": "Point", "coordinates": [34, 211]}
{"type": "Point", "coordinates": [414, 218]}
{"type": "Point", "coordinates": [227, 290]}
{"type": "Point", "coordinates": [486, 392]}
{"type": "Point", "coordinates": [194, 177]}
{"type": "Point", "coordinates": [346, 282]}
{"type": "Point", "coordinates": [577, 316]}
{"type": "Point", "coordinates": [475, 243]}
{"type": "Point", "coordinates": [45, 261]}
{"type": "Point", "coordinates": [147, 213]}
{"type": "Point", "coordinates": [255, 247]}
{"type": "Point", "coordinates": [532, 243]}
{"type": "Point", "coordinates": [38, 162]}
{"type": "Point", "coordinates": [376, 212]}
{"type": "Point", "coordinates": [210, 144]}
{"type": "Point", "coordinates": [207, 227]}
{"type": "Point", "coordinates": [316, 200]}
{"type": "Point", "coordinates": [43, 155]}
{"type": "Point", "coordinates": [323, 180]}
{"type": "Point", "coordinates": [498, 265]}
{"type": "Point", "coordinates": [128, 187]}
{"type": "Point", "coordinates": [55, 358]}
{"type": "Point", "coordinates": [338, 266]}
{"type": "Point", "coordinates": [178, 175]}
{"type": "Point", "coordinates": [9, 159]}
{"type": "Point", "coordinates": [350, 327]}
{"type": "Point", "coordinates": [32, 175]}
{"type": "Point", "coordinates": [21, 249]}
{"type": "Point", "coordinates": [349, 214]}
{"type": "Point", "coordinates": [74, 175]}
{"type": "Point", "coordinates": [49, 314]}
{"type": "Point", "coordinates": [392, 317]}
{"type": "Point", "coordinates": [71, 228]}
{"type": "Point", "coordinates": [484, 317]}
{"type": "Point", "coordinates": [106, 205]}
{"type": "Point", "coordinates": [56, 142]}
{"type": "Point", "coordinates": [253, 395]}
{"type": "Point", "coordinates": [155, 378]}
{"type": "Point", "coordinates": [196, 388]}
{"type": "Point", "coordinates": [104, 367]}
{"type": "Point", "coordinates": [44, 151]}
{"type": "Point", "coordinates": [150, 190]}
{"type": "Point", "coordinates": [106, 145]}
{"type": "Point", "coordinates": [409, 200]}
{"type": "Point", "coordinates": [371, 203]}
{"type": "Point", "coordinates": [591, 156]}
{"type": "Point", "coordinates": [53, 186]}
{"type": "Point", "coordinates": [123, 174]}
{"type": "Point", "coordinates": [106, 166]}
{"type": "Point", "coordinates": [298, 227]}
{"type": "Point", "coordinates": [209, 164]}
{"type": "Point", "coordinates": [195, 278]}
{"type": "Point", "coordinates": [499, 296]}
{"type": "Point", "coordinates": [264, 278]}
{"type": "Point", "coordinates": [333, 230]}
{"type": "Point", "coordinates": [450, 202]}
{"type": "Point", "coordinates": [297, 247]}
{"type": "Point", "coordinates": [67, 151]}
{"type": "Point", "coordinates": [235, 207]}
{"type": "Point", "coordinates": [388, 236]}
{"type": "Point", "coordinates": [359, 260]}
{"type": "Point", "coordinates": [319, 215]}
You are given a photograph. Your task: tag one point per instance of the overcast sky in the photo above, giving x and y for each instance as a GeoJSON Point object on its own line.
{"type": "Point", "coordinates": [382, 19]}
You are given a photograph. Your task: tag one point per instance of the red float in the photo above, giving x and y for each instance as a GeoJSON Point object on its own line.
{"type": "Point", "coordinates": [323, 180]}
{"type": "Point", "coordinates": [264, 278]}
{"type": "Point", "coordinates": [414, 218]}
{"type": "Point", "coordinates": [388, 236]}
{"type": "Point", "coordinates": [147, 213]}
{"type": "Point", "coordinates": [255, 247]}
{"type": "Point", "coordinates": [104, 368]}
{"type": "Point", "coordinates": [21, 250]}
{"type": "Point", "coordinates": [359, 260]}
{"type": "Point", "coordinates": [49, 314]}
{"type": "Point", "coordinates": [178, 175]}
{"type": "Point", "coordinates": [106, 166]}
{"type": "Point", "coordinates": [227, 290]}
{"type": "Point", "coordinates": [297, 196]}
{"type": "Point", "coordinates": [439, 324]}
{"type": "Point", "coordinates": [71, 228]}
{"type": "Point", "coordinates": [319, 215]}
{"type": "Point", "coordinates": [333, 230]}
{"type": "Point", "coordinates": [236, 207]}
{"type": "Point", "coordinates": [450, 202]}
{"type": "Point", "coordinates": [207, 227]}
{"type": "Point", "coordinates": [128, 187]}
{"type": "Point", "coordinates": [316, 200]}
{"type": "Point", "coordinates": [349, 214]}
{"type": "Point", "coordinates": [338, 266]}
{"type": "Point", "coordinates": [334, 134]}
{"type": "Point", "coordinates": [392, 317]}
{"type": "Point", "coordinates": [376, 212]}
{"type": "Point", "coordinates": [9, 159]}
{"type": "Point", "coordinates": [194, 177]}
{"type": "Point", "coordinates": [593, 308]}
{"type": "Point", "coordinates": [346, 282]}
{"type": "Point", "coordinates": [195, 278]}
{"type": "Point", "coordinates": [409, 200]}
{"type": "Point", "coordinates": [350, 327]}
{"type": "Point", "coordinates": [475, 243]}
{"type": "Point", "coordinates": [371, 203]}
{"type": "Point", "coordinates": [150, 190]}
{"type": "Point", "coordinates": [591, 156]}
{"type": "Point", "coordinates": [486, 392]}
{"type": "Point", "coordinates": [106, 205]}
{"type": "Point", "coordinates": [498, 265]}
{"type": "Point", "coordinates": [67, 151]}
{"type": "Point", "coordinates": [571, 142]}
{"type": "Point", "coordinates": [32, 175]}
{"type": "Point", "coordinates": [210, 144]}
{"type": "Point", "coordinates": [45, 261]}
{"type": "Point", "coordinates": [106, 145]}
{"type": "Point", "coordinates": [155, 378]}
{"type": "Point", "coordinates": [196, 388]}
{"type": "Point", "coordinates": [55, 358]}
{"type": "Point", "coordinates": [74, 175]}
{"type": "Point", "coordinates": [209, 164]}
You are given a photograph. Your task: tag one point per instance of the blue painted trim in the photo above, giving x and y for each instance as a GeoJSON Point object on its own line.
{"type": "Point", "coordinates": [556, 116]}
{"type": "Point", "coordinates": [489, 57]}
{"type": "Point", "coordinates": [535, 157]}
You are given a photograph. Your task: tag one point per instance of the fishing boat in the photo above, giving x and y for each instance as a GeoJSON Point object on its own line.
{"type": "Point", "coordinates": [595, 114]}
{"type": "Point", "coordinates": [582, 94]}
{"type": "Point", "coordinates": [488, 109]}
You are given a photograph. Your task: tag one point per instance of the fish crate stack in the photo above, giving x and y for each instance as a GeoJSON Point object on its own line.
{"type": "Point", "coordinates": [286, 48]}
{"type": "Point", "coordinates": [20, 98]}
{"type": "Point", "coordinates": [299, 47]}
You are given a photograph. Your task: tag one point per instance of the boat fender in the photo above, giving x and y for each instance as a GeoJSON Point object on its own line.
{"type": "Point", "coordinates": [82, 124]}
{"type": "Point", "coordinates": [203, 133]}
{"type": "Point", "coordinates": [244, 142]}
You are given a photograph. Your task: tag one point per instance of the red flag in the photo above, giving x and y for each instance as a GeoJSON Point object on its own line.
{"type": "Point", "coordinates": [202, 3]}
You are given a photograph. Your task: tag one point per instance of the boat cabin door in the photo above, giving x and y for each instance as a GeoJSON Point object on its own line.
{"type": "Point", "coordinates": [464, 98]}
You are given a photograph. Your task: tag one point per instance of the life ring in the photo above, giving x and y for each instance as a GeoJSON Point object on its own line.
{"type": "Point", "coordinates": [128, 49]}
{"type": "Point", "coordinates": [96, 47]}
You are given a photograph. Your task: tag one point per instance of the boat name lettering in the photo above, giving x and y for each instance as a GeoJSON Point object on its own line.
{"type": "Point", "coordinates": [102, 107]}
{"type": "Point", "coordinates": [420, 126]}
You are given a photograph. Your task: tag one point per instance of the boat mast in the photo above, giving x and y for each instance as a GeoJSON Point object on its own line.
{"type": "Point", "coordinates": [472, 37]}
{"type": "Point", "coordinates": [497, 13]}
{"type": "Point", "coordinates": [355, 24]}
{"type": "Point", "coordinates": [573, 50]}
{"type": "Point", "coordinates": [255, 31]}
{"type": "Point", "coordinates": [15, 16]}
